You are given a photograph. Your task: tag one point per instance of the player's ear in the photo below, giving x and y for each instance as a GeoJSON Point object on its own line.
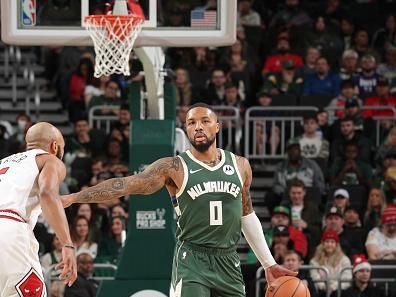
{"type": "Point", "coordinates": [54, 147]}
{"type": "Point", "coordinates": [217, 126]}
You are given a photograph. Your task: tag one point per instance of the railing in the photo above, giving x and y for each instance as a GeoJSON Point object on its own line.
{"type": "Point", "coordinates": [258, 120]}
{"type": "Point", "coordinates": [99, 121]}
{"type": "Point", "coordinates": [261, 280]}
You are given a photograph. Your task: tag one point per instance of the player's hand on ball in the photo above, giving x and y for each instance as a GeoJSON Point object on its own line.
{"type": "Point", "coordinates": [68, 265]}
{"type": "Point", "coordinates": [68, 200]}
{"type": "Point", "coordinates": [275, 271]}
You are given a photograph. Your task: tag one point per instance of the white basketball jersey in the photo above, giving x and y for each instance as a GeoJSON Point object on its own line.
{"type": "Point", "coordinates": [18, 185]}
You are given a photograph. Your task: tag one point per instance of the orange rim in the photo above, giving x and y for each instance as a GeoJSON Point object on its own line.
{"type": "Point", "coordinates": [95, 19]}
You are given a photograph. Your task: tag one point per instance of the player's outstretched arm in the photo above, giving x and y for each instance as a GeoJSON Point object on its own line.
{"type": "Point", "coordinates": [53, 171]}
{"type": "Point", "coordinates": [151, 180]}
{"type": "Point", "coordinates": [252, 229]}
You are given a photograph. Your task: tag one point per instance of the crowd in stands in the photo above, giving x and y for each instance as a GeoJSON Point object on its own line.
{"type": "Point", "coordinates": [333, 200]}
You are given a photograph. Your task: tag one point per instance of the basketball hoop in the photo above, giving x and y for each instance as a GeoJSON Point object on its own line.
{"type": "Point", "coordinates": [113, 37]}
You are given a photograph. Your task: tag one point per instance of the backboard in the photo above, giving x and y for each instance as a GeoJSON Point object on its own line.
{"type": "Point", "coordinates": [186, 23]}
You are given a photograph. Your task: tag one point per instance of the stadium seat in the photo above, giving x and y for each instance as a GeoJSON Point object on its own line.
{"type": "Point", "coordinates": [284, 100]}
{"type": "Point", "coordinates": [315, 100]}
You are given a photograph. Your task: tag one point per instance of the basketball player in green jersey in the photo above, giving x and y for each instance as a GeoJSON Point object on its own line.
{"type": "Point", "coordinates": [210, 192]}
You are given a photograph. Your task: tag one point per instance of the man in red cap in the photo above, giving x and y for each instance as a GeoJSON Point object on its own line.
{"type": "Point", "coordinates": [381, 241]}
{"type": "Point", "coordinates": [361, 285]}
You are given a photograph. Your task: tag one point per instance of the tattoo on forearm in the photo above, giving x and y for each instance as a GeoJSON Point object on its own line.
{"type": "Point", "coordinates": [244, 167]}
{"type": "Point", "coordinates": [152, 179]}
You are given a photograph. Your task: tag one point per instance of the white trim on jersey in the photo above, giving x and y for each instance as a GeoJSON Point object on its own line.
{"type": "Point", "coordinates": [185, 177]}
{"type": "Point", "coordinates": [221, 163]}
{"type": "Point", "coordinates": [236, 168]}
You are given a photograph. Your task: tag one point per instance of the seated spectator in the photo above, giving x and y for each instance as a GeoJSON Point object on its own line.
{"type": "Point", "coordinates": [385, 37]}
{"type": "Point", "coordinates": [281, 217]}
{"type": "Point", "coordinates": [389, 186]}
{"type": "Point", "coordinates": [387, 149]}
{"type": "Point", "coordinates": [95, 88]}
{"type": "Point", "coordinates": [292, 261]}
{"type": "Point", "coordinates": [267, 133]}
{"type": "Point", "coordinates": [361, 285]}
{"type": "Point", "coordinates": [381, 241]}
{"type": "Point", "coordinates": [330, 256]}
{"type": "Point", "coordinates": [361, 44]}
{"type": "Point", "coordinates": [349, 65]}
{"type": "Point", "coordinates": [215, 91]}
{"type": "Point", "coordinates": [17, 140]}
{"type": "Point", "coordinates": [382, 97]}
{"type": "Point", "coordinates": [341, 200]}
{"type": "Point", "coordinates": [97, 218]}
{"type": "Point", "coordinates": [118, 210]}
{"type": "Point", "coordinates": [181, 117]}
{"type": "Point", "coordinates": [304, 213]}
{"type": "Point", "coordinates": [366, 81]}
{"type": "Point", "coordinates": [287, 81]}
{"type": "Point", "coordinates": [246, 15]}
{"type": "Point", "coordinates": [111, 245]}
{"type": "Point", "coordinates": [109, 98]}
{"type": "Point", "coordinates": [375, 206]}
{"type": "Point", "coordinates": [322, 82]}
{"type": "Point", "coordinates": [296, 166]}
{"type": "Point", "coordinates": [281, 242]}
{"type": "Point", "coordinates": [312, 54]}
{"type": "Point", "coordinates": [79, 232]}
{"type": "Point", "coordinates": [347, 28]}
{"type": "Point", "coordinates": [282, 53]}
{"type": "Point", "coordinates": [292, 15]}
{"type": "Point", "coordinates": [183, 86]}
{"type": "Point", "coordinates": [350, 135]}
{"type": "Point", "coordinates": [114, 158]}
{"type": "Point", "coordinates": [53, 257]}
{"type": "Point", "coordinates": [337, 105]}
{"type": "Point", "coordinates": [351, 218]}
{"type": "Point", "coordinates": [388, 69]}
{"type": "Point", "coordinates": [351, 240]}
{"type": "Point", "coordinates": [323, 121]}
{"type": "Point", "coordinates": [311, 142]}
{"type": "Point", "coordinates": [85, 285]}
{"type": "Point", "coordinates": [350, 170]}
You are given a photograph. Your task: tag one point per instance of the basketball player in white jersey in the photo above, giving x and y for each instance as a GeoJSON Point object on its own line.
{"type": "Point", "coordinates": [29, 184]}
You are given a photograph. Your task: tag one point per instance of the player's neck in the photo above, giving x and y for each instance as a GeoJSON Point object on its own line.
{"type": "Point", "coordinates": [210, 157]}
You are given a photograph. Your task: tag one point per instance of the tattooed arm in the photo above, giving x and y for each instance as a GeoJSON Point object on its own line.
{"type": "Point", "coordinates": [246, 172]}
{"type": "Point", "coordinates": [151, 180]}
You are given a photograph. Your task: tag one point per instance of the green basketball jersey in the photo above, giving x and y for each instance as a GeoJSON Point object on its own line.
{"type": "Point", "coordinates": [209, 203]}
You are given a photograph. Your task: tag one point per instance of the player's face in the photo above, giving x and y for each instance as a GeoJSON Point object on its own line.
{"type": "Point", "coordinates": [201, 127]}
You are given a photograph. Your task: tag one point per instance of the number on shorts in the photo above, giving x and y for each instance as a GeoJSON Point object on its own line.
{"type": "Point", "coordinates": [216, 213]}
{"type": "Point", "coordinates": [4, 170]}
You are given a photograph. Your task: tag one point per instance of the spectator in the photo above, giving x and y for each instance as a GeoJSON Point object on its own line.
{"type": "Point", "coordinates": [351, 218]}
{"type": "Point", "coordinates": [292, 261]}
{"type": "Point", "coordinates": [311, 142]}
{"type": "Point", "coordinates": [349, 65]}
{"type": "Point", "coordinates": [97, 219]}
{"type": "Point", "coordinates": [281, 242]}
{"type": "Point", "coordinates": [79, 232]}
{"type": "Point", "coordinates": [388, 148]}
{"type": "Point", "coordinates": [96, 87]}
{"type": "Point", "coordinates": [78, 81]}
{"type": "Point", "coordinates": [350, 170]}
{"type": "Point", "coordinates": [341, 200]}
{"type": "Point", "coordinates": [361, 44]}
{"type": "Point", "coordinates": [323, 121]}
{"type": "Point", "coordinates": [382, 97]}
{"type": "Point", "coordinates": [304, 213]}
{"type": "Point", "coordinates": [351, 240]}
{"type": "Point", "coordinates": [347, 28]}
{"type": "Point", "coordinates": [389, 186]}
{"type": "Point", "coordinates": [17, 140]}
{"type": "Point", "coordinates": [118, 210]}
{"type": "Point", "coordinates": [85, 285]}
{"type": "Point", "coordinates": [296, 166]}
{"type": "Point", "coordinates": [246, 15]}
{"type": "Point", "coordinates": [322, 82]}
{"type": "Point", "coordinates": [53, 257]}
{"type": "Point", "coordinates": [114, 158]}
{"type": "Point", "coordinates": [184, 87]}
{"type": "Point", "coordinates": [123, 122]}
{"type": "Point", "coordinates": [286, 82]}
{"type": "Point", "coordinates": [330, 256]}
{"type": "Point", "coordinates": [281, 217]}
{"type": "Point", "coordinates": [388, 69]}
{"type": "Point", "coordinates": [361, 285]}
{"type": "Point", "coordinates": [375, 206]}
{"type": "Point", "coordinates": [381, 241]}
{"type": "Point", "coordinates": [312, 54]}
{"type": "Point", "coordinates": [350, 135]}
{"type": "Point", "coordinates": [111, 245]}
{"type": "Point", "coordinates": [292, 15]}
{"type": "Point", "coordinates": [282, 53]}
{"type": "Point", "coordinates": [109, 98]}
{"type": "Point", "coordinates": [366, 81]}
{"type": "Point", "coordinates": [385, 38]}
{"type": "Point", "coordinates": [337, 105]}
{"type": "Point", "coordinates": [214, 93]}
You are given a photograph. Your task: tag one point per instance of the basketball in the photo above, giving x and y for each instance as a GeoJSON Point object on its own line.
{"type": "Point", "coordinates": [287, 286]}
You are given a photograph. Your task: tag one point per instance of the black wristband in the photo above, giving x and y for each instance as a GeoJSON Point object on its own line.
{"type": "Point", "coordinates": [69, 246]}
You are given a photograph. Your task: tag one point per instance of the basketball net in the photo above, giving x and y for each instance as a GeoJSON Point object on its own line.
{"type": "Point", "coordinates": [113, 36]}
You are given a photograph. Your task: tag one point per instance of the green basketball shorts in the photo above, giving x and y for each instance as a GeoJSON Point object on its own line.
{"type": "Point", "coordinates": [206, 272]}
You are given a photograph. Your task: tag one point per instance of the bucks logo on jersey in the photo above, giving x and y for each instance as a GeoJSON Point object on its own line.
{"type": "Point", "coordinates": [209, 204]}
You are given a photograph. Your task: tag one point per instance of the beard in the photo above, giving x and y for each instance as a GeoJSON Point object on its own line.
{"type": "Point", "coordinates": [202, 146]}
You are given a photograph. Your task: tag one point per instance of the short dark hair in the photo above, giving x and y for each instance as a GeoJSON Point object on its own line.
{"type": "Point", "coordinates": [201, 104]}
{"type": "Point", "coordinates": [124, 106]}
{"type": "Point", "coordinates": [347, 119]}
{"type": "Point", "coordinates": [297, 183]}
{"type": "Point", "coordinates": [348, 83]}
{"type": "Point", "coordinates": [310, 116]}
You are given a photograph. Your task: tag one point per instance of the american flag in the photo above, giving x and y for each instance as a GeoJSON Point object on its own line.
{"type": "Point", "coordinates": [202, 18]}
